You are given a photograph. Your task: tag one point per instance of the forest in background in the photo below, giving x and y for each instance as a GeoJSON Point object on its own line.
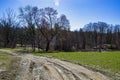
{"type": "Point", "coordinates": [43, 29]}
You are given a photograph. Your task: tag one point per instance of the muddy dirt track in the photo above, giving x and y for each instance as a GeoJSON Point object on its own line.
{"type": "Point", "coordinates": [42, 68]}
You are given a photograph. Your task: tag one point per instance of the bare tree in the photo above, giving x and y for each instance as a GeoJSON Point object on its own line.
{"type": "Point", "coordinates": [64, 22]}
{"type": "Point", "coordinates": [63, 39]}
{"type": "Point", "coordinates": [117, 35]}
{"type": "Point", "coordinates": [102, 30]}
{"type": "Point", "coordinates": [9, 24]}
{"type": "Point", "coordinates": [27, 17]}
{"type": "Point", "coordinates": [46, 24]}
{"type": "Point", "coordinates": [49, 25]}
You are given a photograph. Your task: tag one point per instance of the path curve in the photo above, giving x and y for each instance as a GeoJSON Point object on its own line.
{"type": "Point", "coordinates": [34, 67]}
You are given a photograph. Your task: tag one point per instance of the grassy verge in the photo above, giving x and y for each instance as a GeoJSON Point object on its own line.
{"type": "Point", "coordinates": [8, 66]}
{"type": "Point", "coordinates": [4, 60]}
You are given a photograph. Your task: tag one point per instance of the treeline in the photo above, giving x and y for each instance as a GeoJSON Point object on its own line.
{"type": "Point", "coordinates": [43, 29]}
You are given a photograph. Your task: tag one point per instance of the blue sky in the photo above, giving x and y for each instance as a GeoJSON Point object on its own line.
{"type": "Point", "coordinates": [79, 12]}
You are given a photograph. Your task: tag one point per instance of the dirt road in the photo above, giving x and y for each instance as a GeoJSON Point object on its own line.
{"type": "Point", "coordinates": [42, 68]}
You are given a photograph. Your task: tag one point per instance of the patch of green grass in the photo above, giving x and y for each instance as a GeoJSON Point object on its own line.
{"type": "Point", "coordinates": [108, 62]}
{"type": "Point", "coordinates": [13, 49]}
{"type": "Point", "coordinates": [4, 60]}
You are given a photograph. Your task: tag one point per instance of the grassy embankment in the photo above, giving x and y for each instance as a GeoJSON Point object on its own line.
{"type": "Point", "coordinates": [8, 66]}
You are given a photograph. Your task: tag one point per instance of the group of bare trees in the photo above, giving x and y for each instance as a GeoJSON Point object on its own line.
{"type": "Point", "coordinates": [8, 29]}
{"type": "Point", "coordinates": [43, 29]}
{"type": "Point", "coordinates": [35, 27]}
{"type": "Point", "coordinates": [102, 36]}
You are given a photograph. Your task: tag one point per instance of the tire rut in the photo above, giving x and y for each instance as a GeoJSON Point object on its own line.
{"type": "Point", "coordinates": [75, 74]}
{"type": "Point", "coordinates": [79, 71]}
{"type": "Point", "coordinates": [43, 68]}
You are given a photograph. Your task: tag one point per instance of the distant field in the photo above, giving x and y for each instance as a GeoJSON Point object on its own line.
{"type": "Point", "coordinates": [108, 62]}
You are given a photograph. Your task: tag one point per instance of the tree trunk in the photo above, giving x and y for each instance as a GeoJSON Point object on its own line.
{"type": "Point", "coordinates": [33, 46]}
{"type": "Point", "coordinates": [47, 46]}
{"type": "Point", "coordinates": [38, 46]}
{"type": "Point", "coordinates": [100, 49]}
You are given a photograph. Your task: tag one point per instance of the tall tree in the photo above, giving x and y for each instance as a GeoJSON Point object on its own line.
{"type": "Point", "coordinates": [27, 17]}
{"type": "Point", "coordinates": [49, 25]}
{"type": "Point", "coordinates": [102, 30]}
{"type": "Point", "coordinates": [46, 24]}
{"type": "Point", "coordinates": [117, 35]}
{"type": "Point", "coordinates": [8, 25]}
